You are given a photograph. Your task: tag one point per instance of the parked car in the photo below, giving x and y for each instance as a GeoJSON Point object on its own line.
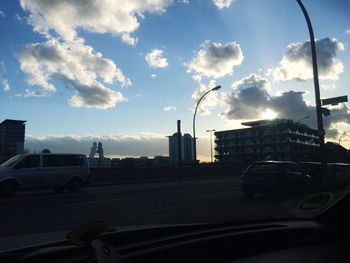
{"type": "Point", "coordinates": [44, 171]}
{"type": "Point", "coordinates": [337, 174]}
{"type": "Point", "coordinates": [341, 172]}
{"type": "Point", "coordinates": [274, 177]}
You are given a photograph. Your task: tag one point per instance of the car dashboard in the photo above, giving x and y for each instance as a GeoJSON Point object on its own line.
{"type": "Point", "coordinates": [279, 241]}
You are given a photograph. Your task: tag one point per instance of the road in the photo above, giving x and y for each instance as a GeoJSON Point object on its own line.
{"type": "Point", "coordinates": [184, 201]}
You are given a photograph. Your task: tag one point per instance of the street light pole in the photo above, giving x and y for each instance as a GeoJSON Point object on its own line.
{"type": "Point", "coordinates": [316, 84]}
{"type": "Point", "coordinates": [194, 122]}
{"type": "Point", "coordinates": [211, 144]}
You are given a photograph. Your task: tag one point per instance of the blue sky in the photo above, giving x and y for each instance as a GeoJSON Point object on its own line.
{"type": "Point", "coordinates": [125, 71]}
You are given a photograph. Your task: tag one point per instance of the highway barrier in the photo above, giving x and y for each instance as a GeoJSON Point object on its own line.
{"type": "Point", "coordinates": [158, 174]}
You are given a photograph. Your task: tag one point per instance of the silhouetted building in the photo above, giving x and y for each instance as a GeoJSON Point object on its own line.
{"type": "Point", "coordinates": [188, 154]}
{"type": "Point", "coordinates": [186, 148]}
{"type": "Point", "coordinates": [277, 139]}
{"type": "Point", "coordinates": [11, 138]}
{"type": "Point", "coordinates": [173, 148]}
{"type": "Point", "coordinates": [160, 161]}
{"type": "Point", "coordinates": [336, 153]}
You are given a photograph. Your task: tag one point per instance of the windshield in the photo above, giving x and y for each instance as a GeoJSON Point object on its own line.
{"type": "Point", "coordinates": [148, 112]}
{"type": "Point", "coordinates": [11, 161]}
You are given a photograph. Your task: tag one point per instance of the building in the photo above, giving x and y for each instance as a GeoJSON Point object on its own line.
{"type": "Point", "coordinates": [11, 138]}
{"type": "Point", "coordinates": [277, 139]}
{"type": "Point", "coordinates": [187, 154]}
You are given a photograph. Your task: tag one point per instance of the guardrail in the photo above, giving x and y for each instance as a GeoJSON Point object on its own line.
{"type": "Point", "coordinates": [115, 175]}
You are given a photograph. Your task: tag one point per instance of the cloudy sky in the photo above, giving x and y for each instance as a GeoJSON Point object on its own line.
{"type": "Point", "coordinates": [123, 72]}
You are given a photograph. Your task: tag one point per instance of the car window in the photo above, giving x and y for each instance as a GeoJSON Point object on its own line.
{"type": "Point", "coordinates": [62, 160]}
{"type": "Point", "coordinates": [73, 160]}
{"type": "Point", "coordinates": [53, 160]}
{"type": "Point", "coordinates": [31, 161]}
{"type": "Point", "coordinates": [11, 161]}
{"type": "Point", "coordinates": [172, 110]}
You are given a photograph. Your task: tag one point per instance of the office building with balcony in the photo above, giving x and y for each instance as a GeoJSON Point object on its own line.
{"type": "Point", "coordinates": [277, 139]}
{"type": "Point", "coordinates": [11, 138]}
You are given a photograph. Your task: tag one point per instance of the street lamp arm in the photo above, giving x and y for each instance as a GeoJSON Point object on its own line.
{"type": "Point", "coordinates": [341, 136]}
{"type": "Point", "coordinates": [304, 118]}
{"type": "Point", "coordinates": [194, 120]}
{"type": "Point", "coordinates": [195, 111]}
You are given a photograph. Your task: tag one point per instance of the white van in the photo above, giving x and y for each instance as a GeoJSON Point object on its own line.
{"type": "Point", "coordinates": [44, 171]}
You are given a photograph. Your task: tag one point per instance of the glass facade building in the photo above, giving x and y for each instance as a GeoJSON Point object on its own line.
{"type": "Point", "coordinates": [11, 138]}
{"type": "Point", "coordinates": [278, 139]}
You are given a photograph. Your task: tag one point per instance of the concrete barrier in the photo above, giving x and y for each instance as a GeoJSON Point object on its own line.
{"type": "Point", "coordinates": [159, 174]}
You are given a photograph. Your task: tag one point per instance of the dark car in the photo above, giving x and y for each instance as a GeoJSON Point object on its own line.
{"type": "Point", "coordinates": [337, 174]}
{"type": "Point", "coordinates": [274, 177]}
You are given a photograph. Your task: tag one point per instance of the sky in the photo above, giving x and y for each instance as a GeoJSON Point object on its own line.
{"type": "Point", "coordinates": [122, 72]}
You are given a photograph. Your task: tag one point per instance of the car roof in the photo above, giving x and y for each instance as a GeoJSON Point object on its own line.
{"type": "Point", "coordinates": [77, 154]}
{"type": "Point", "coordinates": [274, 162]}
{"type": "Point", "coordinates": [316, 163]}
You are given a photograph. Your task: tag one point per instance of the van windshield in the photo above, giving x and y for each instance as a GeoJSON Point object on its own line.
{"type": "Point", "coordinates": [12, 161]}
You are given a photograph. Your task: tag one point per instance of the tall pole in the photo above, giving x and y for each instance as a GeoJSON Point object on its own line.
{"type": "Point", "coordinates": [194, 123]}
{"type": "Point", "coordinates": [211, 144]}
{"type": "Point", "coordinates": [316, 85]}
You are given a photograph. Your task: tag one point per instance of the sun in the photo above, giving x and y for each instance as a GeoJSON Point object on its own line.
{"type": "Point", "coordinates": [269, 114]}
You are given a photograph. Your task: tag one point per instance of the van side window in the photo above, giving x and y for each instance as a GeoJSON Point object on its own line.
{"type": "Point", "coordinates": [53, 160]}
{"type": "Point", "coordinates": [31, 161]}
{"type": "Point", "coordinates": [62, 160]}
{"type": "Point", "coordinates": [73, 160]}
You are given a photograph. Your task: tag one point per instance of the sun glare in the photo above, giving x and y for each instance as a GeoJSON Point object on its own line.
{"type": "Point", "coordinates": [269, 114]}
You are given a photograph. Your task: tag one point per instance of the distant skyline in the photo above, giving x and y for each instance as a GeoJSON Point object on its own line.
{"type": "Point", "coordinates": [123, 72]}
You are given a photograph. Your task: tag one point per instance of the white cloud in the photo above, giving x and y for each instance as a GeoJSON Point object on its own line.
{"type": "Point", "coordinates": [66, 57]}
{"type": "Point", "coordinates": [297, 61]}
{"type": "Point", "coordinates": [5, 85]}
{"type": "Point", "coordinates": [222, 3]}
{"type": "Point", "coordinates": [119, 18]}
{"type": "Point", "coordinates": [169, 108]}
{"type": "Point", "coordinates": [78, 66]}
{"type": "Point", "coordinates": [153, 76]}
{"type": "Point", "coordinates": [155, 59]}
{"type": "Point", "coordinates": [215, 60]}
{"type": "Point", "coordinates": [347, 31]}
{"type": "Point", "coordinates": [2, 14]}
{"type": "Point", "coordinates": [210, 101]}
{"type": "Point", "coordinates": [328, 86]}
{"type": "Point", "coordinates": [251, 97]}
{"type": "Point", "coordinates": [95, 96]}
{"type": "Point", "coordinates": [34, 93]}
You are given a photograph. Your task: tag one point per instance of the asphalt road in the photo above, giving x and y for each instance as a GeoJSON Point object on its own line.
{"type": "Point", "coordinates": [179, 202]}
